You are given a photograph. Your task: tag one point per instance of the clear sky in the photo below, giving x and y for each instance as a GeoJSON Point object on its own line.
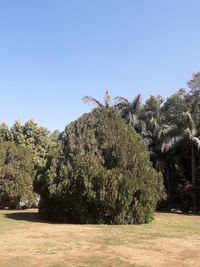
{"type": "Point", "coordinates": [53, 52]}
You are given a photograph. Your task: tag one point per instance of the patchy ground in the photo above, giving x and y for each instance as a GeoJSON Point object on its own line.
{"type": "Point", "coordinates": [170, 240]}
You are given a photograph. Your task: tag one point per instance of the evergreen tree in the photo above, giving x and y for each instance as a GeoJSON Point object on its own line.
{"type": "Point", "coordinates": [100, 174]}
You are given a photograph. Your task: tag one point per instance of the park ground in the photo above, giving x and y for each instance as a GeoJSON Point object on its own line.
{"type": "Point", "coordinates": [170, 240]}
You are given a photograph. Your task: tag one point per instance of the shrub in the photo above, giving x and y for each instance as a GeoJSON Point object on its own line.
{"type": "Point", "coordinates": [101, 173]}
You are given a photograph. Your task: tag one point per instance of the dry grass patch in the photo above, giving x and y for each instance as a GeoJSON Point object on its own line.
{"type": "Point", "coordinates": [170, 240]}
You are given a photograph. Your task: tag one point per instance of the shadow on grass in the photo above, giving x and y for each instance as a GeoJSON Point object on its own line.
{"type": "Point", "coordinates": [33, 217]}
{"type": "Point", "coordinates": [29, 217]}
{"type": "Point", "coordinates": [25, 216]}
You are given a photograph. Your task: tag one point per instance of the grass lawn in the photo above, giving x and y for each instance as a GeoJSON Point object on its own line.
{"type": "Point", "coordinates": [170, 240]}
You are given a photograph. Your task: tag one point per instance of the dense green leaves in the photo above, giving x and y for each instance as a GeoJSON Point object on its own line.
{"type": "Point", "coordinates": [101, 174]}
{"type": "Point", "coordinates": [16, 176]}
{"type": "Point", "coordinates": [38, 142]}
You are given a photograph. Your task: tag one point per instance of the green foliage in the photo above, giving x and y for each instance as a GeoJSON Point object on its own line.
{"type": "Point", "coordinates": [33, 137]}
{"type": "Point", "coordinates": [30, 137]}
{"type": "Point", "coordinates": [174, 107]}
{"type": "Point", "coordinates": [101, 173]}
{"type": "Point", "coordinates": [16, 176]}
{"type": "Point", "coordinates": [173, 129]}
{"type": "Point", "coordinates": [37, 139]}
{"type": "Point", "coordinates": [131, 112]}
{"type": "Point", "coordinates": [5, 134]}
{"type": "Point", "coordinates": [194, 84]}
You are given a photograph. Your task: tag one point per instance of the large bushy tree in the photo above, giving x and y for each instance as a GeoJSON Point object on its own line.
{"type": "Point", "coordinates": [101, 173]}
{"type": "Point", "coordinates": [16, 176]}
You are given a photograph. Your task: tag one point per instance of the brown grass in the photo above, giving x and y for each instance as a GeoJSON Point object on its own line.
{"type": "Point", "coordinates": [170, 240]}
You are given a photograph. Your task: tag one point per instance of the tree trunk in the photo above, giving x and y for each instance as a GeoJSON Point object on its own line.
{"type": "Point", "coordinates": [193, 167]}
{"type": "Point", "coordinates": [168, 188]}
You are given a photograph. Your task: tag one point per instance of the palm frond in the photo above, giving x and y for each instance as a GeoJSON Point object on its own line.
{"type": "Point", "coordinates": [170, 135]}
{"type": "Point", "coordinates": [121, 100]}
{"type": "Point", "coordinates": [91, 100]}
{"type": "Point", "coordinates": [136, 104]}
{"type": "Point", "coordinates": [191, 122]}
{"type": "Point", "coordinates": [170, 143]}
{"type": "Point", "coordinates": [168, 131]}
{"type": "Point", "coordinates": [154, 124]}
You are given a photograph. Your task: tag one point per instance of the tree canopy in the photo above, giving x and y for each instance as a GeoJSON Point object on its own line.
{"type": "Point", "coordinates": [16, 176]}
{"type": "Point", "coordinates": [101, 174]}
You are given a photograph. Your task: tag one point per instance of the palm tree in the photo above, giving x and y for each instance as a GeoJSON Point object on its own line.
{"type": "Point", "coordinates": [187, 133]}
{"type": "Point", "coordinates": [131, 112]}
{"type": "Point", "coordinates": [107, 101]}
{"type": "Point", "coordinates": [162, 162]}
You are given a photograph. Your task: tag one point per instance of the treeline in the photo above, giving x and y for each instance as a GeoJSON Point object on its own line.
{"type": "Point", "coordinates": [171, 130]}
{"type": "Point", "coordinates": [169, 127]}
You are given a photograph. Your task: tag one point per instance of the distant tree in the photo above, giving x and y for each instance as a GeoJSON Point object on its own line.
{"type": "Point", "coordinates": [153, 109]}
{"type": "Point", "coordinates": [95, 102]}
{"type": "Point", "coordinates": [193, 98]}
{"type": "Point", "coordinates": [16, 176]}
{"type": "Point", "coordinates": [131, 112]}
{"type": "Point", "coordinates": [187, 133]}
{"type": "Point", "coordinates": [17, 132]}
{"type": "Point", "coordinates": [35, 138]}
{"type": "Point", "coordinates": [101, 173]}
{"type": "Point", "coordinates": [194, 84]}
{"type": "Point", "coordinates": [5, 134]}
{"type": "Point", "coordinates": [152, 116]}
{"type": "Point", "coordinates": [174, 107]}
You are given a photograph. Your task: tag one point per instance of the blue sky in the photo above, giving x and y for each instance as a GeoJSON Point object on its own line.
{"type": "Point", "coordinates": [52, 53]}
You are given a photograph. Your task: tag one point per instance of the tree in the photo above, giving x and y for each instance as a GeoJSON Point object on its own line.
{"type": "Point", "coordinates": [174, 107]}
{"type": "Point", "coordinates": [152, 109]}
{"type": "Point", "coordinates": [154, 138]}
{"type": "Point", "coordinates": [152, 116]}
{"type": "Point", "coordinates": [100, 174]}
{"type": "Point", "coordinates": [131, 112]}
{"type": "Point", "coordinates": [16, 176]}
{"type": "Point", "coordinates": [5, 134]}
{"type": "Point", "coordinates": [17, 132]}
{"type": "Point", "coordinates": [194, 84]}
{"type": "Point", "coordinates": [107, 101]}
{"type": "Point", "coordinates": [35, 138]}
{"type": "Point", "coordinates": [187, 133]}
{"type": "Point", "coordinates": [193, 98]}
